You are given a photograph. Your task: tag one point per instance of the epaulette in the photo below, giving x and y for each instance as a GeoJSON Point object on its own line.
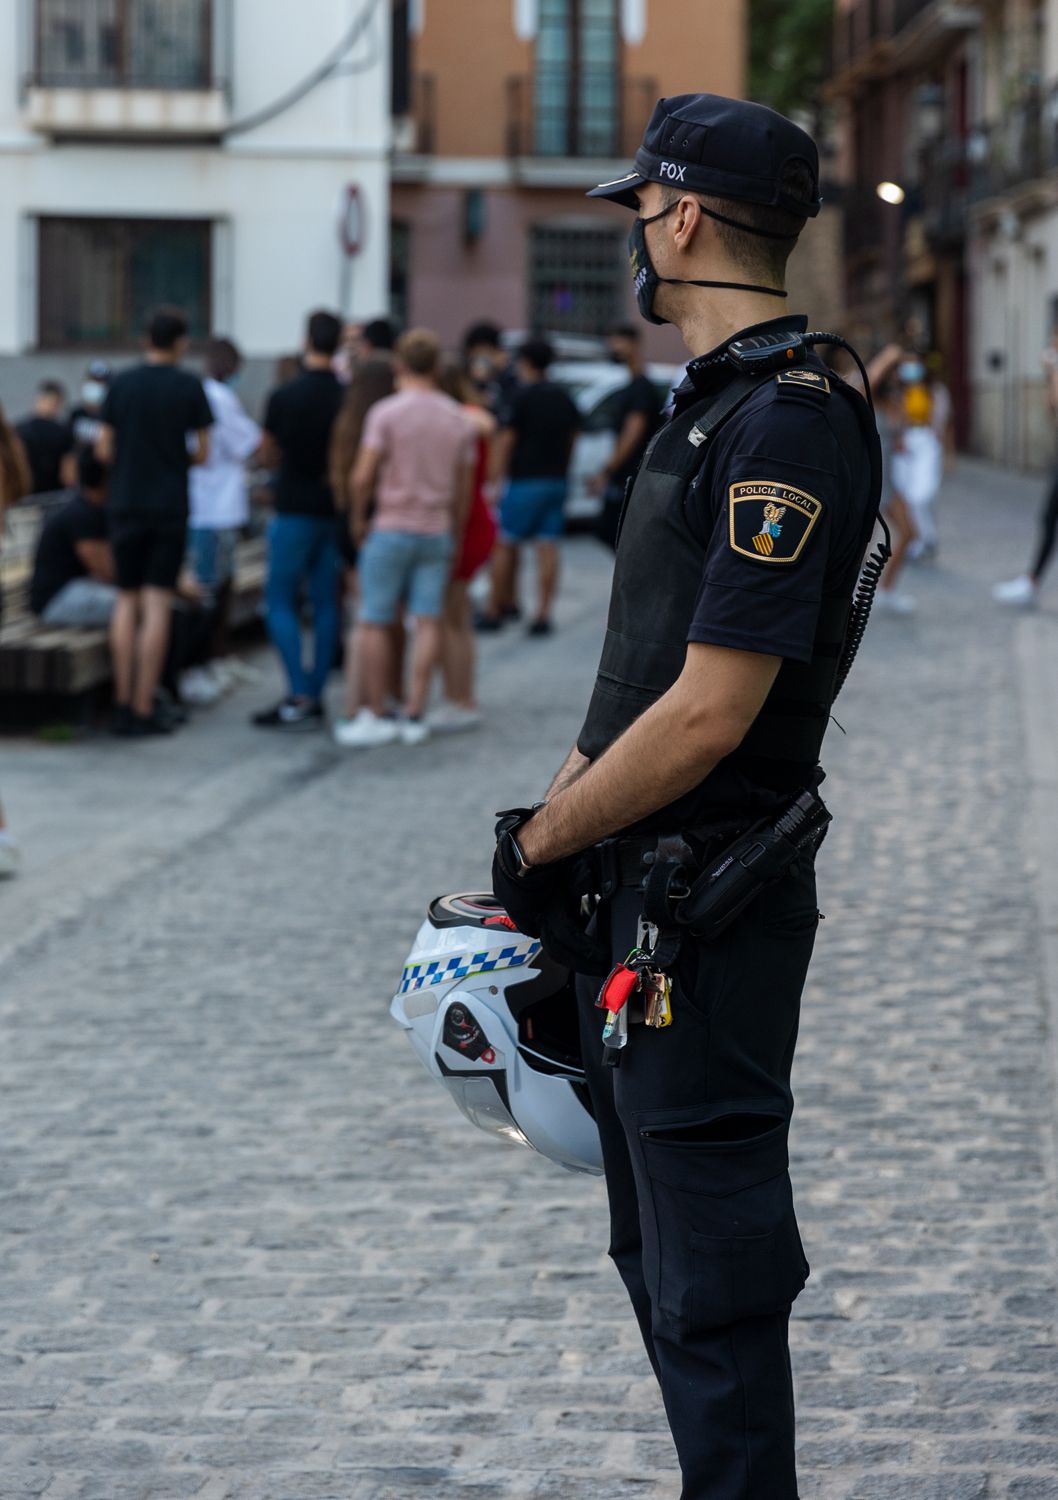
{"type": "Point", "coordinates": [801, 379]}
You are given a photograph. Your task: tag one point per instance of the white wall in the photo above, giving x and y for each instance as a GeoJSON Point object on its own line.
{"type": "Point", "coordinates": [275, 191]}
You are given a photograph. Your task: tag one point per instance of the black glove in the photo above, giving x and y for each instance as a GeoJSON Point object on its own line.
{"type": "Point", "coordinates": [542, 901]}
{"type": "Point", "coordinates": [524, 894]}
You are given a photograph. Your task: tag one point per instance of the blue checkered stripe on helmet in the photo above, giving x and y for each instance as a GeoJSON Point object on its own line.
{"type": "Point", "coordinates": [462, 966]}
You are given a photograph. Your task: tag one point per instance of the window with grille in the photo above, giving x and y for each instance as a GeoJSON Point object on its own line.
{"type": "Point", "coordinates": [399, 271]}
{"type": "Point", "coordinates": [124, 43]}
{"type": "Point", "coordinates": [576, 79]}
{"type": "Point", "coordinates": [99, 279]}
{"type": "Point", "coordinates": [577, 278]}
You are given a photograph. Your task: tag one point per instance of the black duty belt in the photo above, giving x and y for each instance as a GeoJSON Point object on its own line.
{"type": "Point", "coordinates": [703, 887]}
{"type": "Point", "coordinates": [626, 863]}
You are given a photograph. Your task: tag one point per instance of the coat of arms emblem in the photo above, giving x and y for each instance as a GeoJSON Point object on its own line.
{"type": "Point", "coordinates": [770, 530]}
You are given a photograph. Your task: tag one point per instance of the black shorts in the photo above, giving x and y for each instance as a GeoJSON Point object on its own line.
{"type": "Point", "coordinates": [148, 553]}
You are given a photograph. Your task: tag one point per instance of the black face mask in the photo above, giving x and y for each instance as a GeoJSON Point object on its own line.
{"type": "Point", "coordinates": [646, 279]}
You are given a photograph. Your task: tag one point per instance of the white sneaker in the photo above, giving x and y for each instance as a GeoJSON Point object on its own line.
{"type": "Point", "coordinates": [366, 731]}
{"type": "Point", "coordinates": [453, 718]}
{"type": "Point", "coordinates": [232, 670]}
{"type": "Point", "coordinates": [10, 854]}
{"type": "Point", "coordinates": [1018, 591]}
{"type": "Point", "coordinates": [413, 731]}
{"type": "Point", "coordinates": [225, 679]}
{"type": "Point", "coordinates": [199, 687]}
{"type": "Point", "coordinates": [894, 603]}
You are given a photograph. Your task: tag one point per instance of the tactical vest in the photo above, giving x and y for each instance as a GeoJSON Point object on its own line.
{"type": "Point", "coordinates": [657, 577]}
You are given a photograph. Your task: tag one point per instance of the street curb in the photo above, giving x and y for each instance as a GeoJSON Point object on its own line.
{"type": "Point", "coordinates": [1036, 658]}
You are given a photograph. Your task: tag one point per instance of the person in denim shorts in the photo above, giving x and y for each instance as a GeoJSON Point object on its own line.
{"type": "Point", "coordinates": [415, 465]}
{"type": "Point", "coordinates": [533, 453]}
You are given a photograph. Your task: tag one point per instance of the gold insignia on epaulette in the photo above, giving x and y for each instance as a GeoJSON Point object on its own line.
{"type": "Point", "coordinates": [804, 377]}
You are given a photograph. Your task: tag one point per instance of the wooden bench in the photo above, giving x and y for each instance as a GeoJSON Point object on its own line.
{"type": "Point", "coordinates": [38, 659]}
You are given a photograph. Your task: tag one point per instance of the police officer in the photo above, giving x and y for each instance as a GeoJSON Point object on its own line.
{"type": "Point", "coordinates": [741, 546]}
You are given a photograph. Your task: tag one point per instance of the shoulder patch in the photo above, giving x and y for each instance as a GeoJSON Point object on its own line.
{"type": "Point", "coordinates": [769, 521]}
{"type": "Point", "coordinates": [807, 379]}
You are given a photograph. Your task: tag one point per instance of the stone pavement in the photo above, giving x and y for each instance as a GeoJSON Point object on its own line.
{"type": "Point", "coordinates": [248, 1250]}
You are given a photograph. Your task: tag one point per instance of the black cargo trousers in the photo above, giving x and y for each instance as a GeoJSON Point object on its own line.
{"type": "Point", "coordinates": [694, 1126]}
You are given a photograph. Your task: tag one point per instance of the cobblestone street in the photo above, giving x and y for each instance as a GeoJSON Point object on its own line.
{"type": "Point", "coordinates": [249, 1250]}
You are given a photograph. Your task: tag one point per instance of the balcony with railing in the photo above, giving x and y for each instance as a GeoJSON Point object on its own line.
{"type": "Point", "coordinates": [415, 127]}
{"type": "Point", "coordinates": [942, 195]}
{"type": "Point", "coordinates": [875, 37]}
{"type": "Point", "coordinates": [560, 113]}
{"type": "Point", "coordinates": [1012, 153]}
{"type": "Point", "coordinates": [857, 32]}
{"type": "Point", "coordinates": [151, 67]}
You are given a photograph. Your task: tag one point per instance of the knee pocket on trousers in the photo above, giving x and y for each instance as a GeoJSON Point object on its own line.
{"type": "Point", "coordinates": [727, 1244]}
{"type": "Point", "coordinates": [746, 1276]}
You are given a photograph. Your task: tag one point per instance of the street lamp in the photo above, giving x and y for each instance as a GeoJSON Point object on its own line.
{"type": "Point", "coordinates": [890, 192]}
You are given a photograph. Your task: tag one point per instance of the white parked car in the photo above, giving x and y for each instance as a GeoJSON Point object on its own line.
{"type": "Point", "coordinates": [594, 385]}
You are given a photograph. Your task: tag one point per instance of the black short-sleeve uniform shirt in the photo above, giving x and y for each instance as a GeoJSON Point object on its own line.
{"type": "Point", "coordinates": [780, 505]}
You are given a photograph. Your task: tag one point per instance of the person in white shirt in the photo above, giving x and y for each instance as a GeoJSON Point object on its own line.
{"type": "Point", "coordinates": [220, 508]}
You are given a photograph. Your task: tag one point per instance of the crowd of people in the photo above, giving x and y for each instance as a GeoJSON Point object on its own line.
{"type": "Point", "coordinates": [395, 473]}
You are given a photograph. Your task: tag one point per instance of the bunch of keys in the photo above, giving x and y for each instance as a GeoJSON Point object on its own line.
{"type": "Point", "coordinates": [658, 999]}
{"type": "Point", "coordinates": [635, 976]}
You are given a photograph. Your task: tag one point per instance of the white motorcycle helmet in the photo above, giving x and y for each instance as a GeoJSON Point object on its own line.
{"type": "Point", "coordinates": [495, 1020]}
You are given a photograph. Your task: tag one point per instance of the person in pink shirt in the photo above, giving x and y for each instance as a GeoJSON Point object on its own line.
{"type": "Point", "coordinates": [415, 467]}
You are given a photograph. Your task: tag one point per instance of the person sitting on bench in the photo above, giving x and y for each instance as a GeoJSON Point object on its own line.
{"type": "Point", "coordinates": [73, 572]}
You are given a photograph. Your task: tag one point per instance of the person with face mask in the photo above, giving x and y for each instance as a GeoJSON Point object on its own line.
{"type": "Point", "coordinates": [86, 420]}
{"type": "Point", "coordinates": [732, 619]}
{"type": "Point", "coordinates": [918, 467]}
{"type": "Point", "coordinates": [636, 410]}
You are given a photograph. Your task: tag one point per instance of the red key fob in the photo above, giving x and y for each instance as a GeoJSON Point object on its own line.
{"type": "Point", "coordinates": [622, 983]}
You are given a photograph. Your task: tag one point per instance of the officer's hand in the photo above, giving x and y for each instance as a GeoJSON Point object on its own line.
{"type": "Point", "coordinates": [544, 901]}
{"type": "Point", "coordinates": [524, 894]}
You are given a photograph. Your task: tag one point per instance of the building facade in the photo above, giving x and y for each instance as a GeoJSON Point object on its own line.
{"type": "Point", "coordinates": [956, 105]}
{"type": "Point", "coordinates": [510, 111]}
{"type": "Point", "coordinates": [224, 155]}
{"type": "Point", "coordinates": [1012, 230]}
{"type": "Point", "coordinates": [905, 80]}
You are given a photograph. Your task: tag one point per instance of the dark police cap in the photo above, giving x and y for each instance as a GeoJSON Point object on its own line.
{"type": "Point", "coordinates": [725, 148]}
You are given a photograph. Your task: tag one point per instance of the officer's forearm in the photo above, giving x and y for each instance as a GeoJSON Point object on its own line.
{"type": "Point", "coordinates": [652, 764]}
{"type": "Point", "coordinates": [667, 752]}
{"type": "Point", "coordinates": [573, 767]}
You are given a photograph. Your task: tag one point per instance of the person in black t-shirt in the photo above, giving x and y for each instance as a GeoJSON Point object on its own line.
{"type": "Point", "coordinates": [489, 366]}
{"type": "Point", "coordinates": [636, 414]}
{"type": "Point", "coordinates": [532, 455]}
{"type": "Point", "coordinates": [73, 571]}
{"type": "Point", "coordinates": [86, 419]}
{"type": "Point", "coordinates": [47, 440]}
{"type": "Point", "coordinates": [302, 543]}
{"type": "Point", "coordinates": [156, 421]}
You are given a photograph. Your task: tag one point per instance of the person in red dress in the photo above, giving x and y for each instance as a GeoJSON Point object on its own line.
{"type": "Point", "coordinates": [460, 708]}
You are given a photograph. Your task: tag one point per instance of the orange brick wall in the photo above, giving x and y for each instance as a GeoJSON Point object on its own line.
{"type": "Point", "coordinates": [470, 49]}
